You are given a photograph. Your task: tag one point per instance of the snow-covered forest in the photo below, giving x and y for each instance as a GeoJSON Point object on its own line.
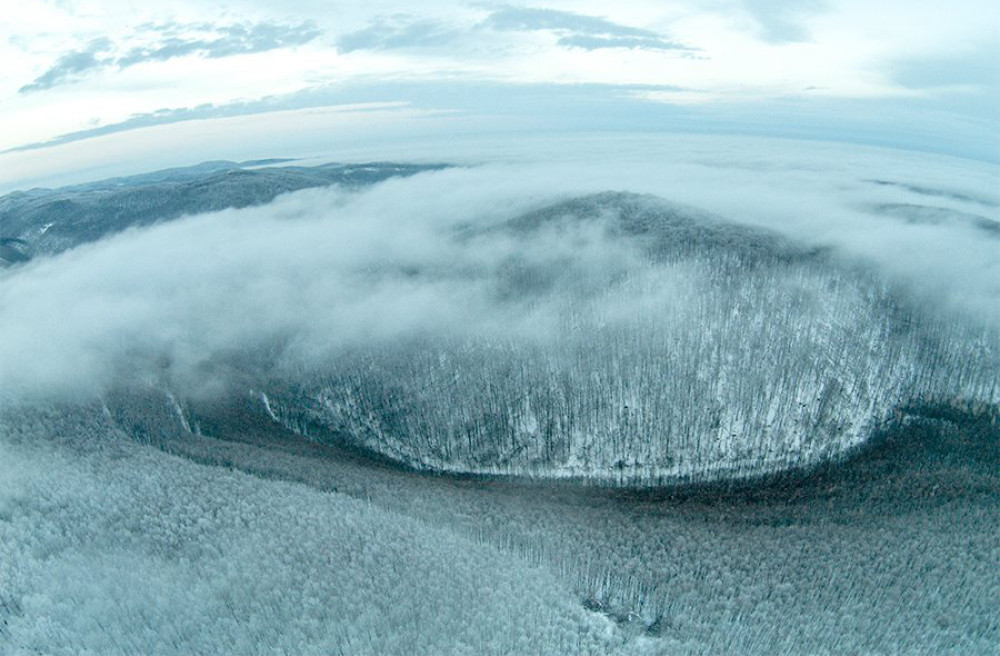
{"type": "Point", "coordinates": [635, 342]}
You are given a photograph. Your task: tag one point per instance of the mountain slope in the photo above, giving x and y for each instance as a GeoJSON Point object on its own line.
{"type": "Point", "coordinates": [633, 341]}
{"type": "Point", "coordinates": [53, 220]}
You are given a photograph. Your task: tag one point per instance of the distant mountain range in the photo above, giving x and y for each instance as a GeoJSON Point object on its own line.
{"type": "Point", "coordinates": [49, 221]}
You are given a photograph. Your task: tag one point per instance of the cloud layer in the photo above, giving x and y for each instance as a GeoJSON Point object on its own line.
{"type": "Point", "coordinates": [436, 319]}
{"type": "Point", "coordinates": [172, 41]}
{"type": "Point", "coordinates": [307, 267]}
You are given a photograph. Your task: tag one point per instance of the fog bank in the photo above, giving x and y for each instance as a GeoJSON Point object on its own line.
{"type": "Point", "coordinates": [861, 271]}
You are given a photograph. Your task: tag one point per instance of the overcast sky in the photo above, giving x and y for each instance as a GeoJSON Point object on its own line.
{"type": "Point", "coordinates": [917, 74]}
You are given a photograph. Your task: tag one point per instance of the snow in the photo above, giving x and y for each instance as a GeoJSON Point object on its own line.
{"type": "Point", "coordinates": [108, 546]}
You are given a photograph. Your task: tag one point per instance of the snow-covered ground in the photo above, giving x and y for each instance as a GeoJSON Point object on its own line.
{"type": "Point", "coordinates": [276, 546]}
{"type": "Point", "coordinates": [108, 547]}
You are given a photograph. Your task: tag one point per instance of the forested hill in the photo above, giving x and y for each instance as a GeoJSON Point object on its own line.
{"type": "Point", "coordinates": [613, 338]}
{"type": "Point", "coordinates": [48, 221]}
{"type": "Point", "coordinates": [635, 341]}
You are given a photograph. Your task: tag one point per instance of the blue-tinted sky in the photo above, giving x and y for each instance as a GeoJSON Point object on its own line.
{"type": "Point", "coordinates": [914, 74]}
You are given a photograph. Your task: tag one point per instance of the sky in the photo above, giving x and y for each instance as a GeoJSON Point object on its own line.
{"type": "Point", "coordinates": [259, 78]}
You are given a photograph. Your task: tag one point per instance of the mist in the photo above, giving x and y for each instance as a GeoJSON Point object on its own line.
{"type": "Point", "coordinates": [424, 302]}
{"type": "Point", "coordinates": [320, 269]}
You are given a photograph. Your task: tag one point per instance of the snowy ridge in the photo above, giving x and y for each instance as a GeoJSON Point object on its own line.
{"type": "Point", "coordinates": [718, 352]}
{"type": "Point", "coordinates": [54, 220]}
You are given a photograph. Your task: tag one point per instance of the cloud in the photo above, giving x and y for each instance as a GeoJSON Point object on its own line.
{"type": "Point", "coordinates": [578, 30]}
{"type": "Point", "coordinates": [525, 19]}
{"type": "Point", "coordinates": [236, 39]}
{"type": "Point", "coordinates": [397, 32]}
{"type": "Point", "coordinates": [468, 97]}
{"type": "Point", "coordinates": [782, 22]}
{"type": "Point", "coordinates": [975, 69]}
{"type": "Point", "coordinates": [588, 42]}
{"type": "Point", "coordinates": [322, 268]}
{"type": "Point", "coordinates": [457, 304]}
{"type": "Point", "coordinates": [402, 31]}
{"type": "Point", "coordinates": [72, 65]}
{"type": "Point", "coordinates": [214, 42]}
{"type": "Point", "coordinates": [318, 99]}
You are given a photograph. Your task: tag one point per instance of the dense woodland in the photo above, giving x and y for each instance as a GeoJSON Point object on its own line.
{"type": "Point", "coordinates": [719, 351]}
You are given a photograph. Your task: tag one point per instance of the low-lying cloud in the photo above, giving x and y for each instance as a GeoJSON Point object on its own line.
{"type": "Point", "coordinates": [320, 269]}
